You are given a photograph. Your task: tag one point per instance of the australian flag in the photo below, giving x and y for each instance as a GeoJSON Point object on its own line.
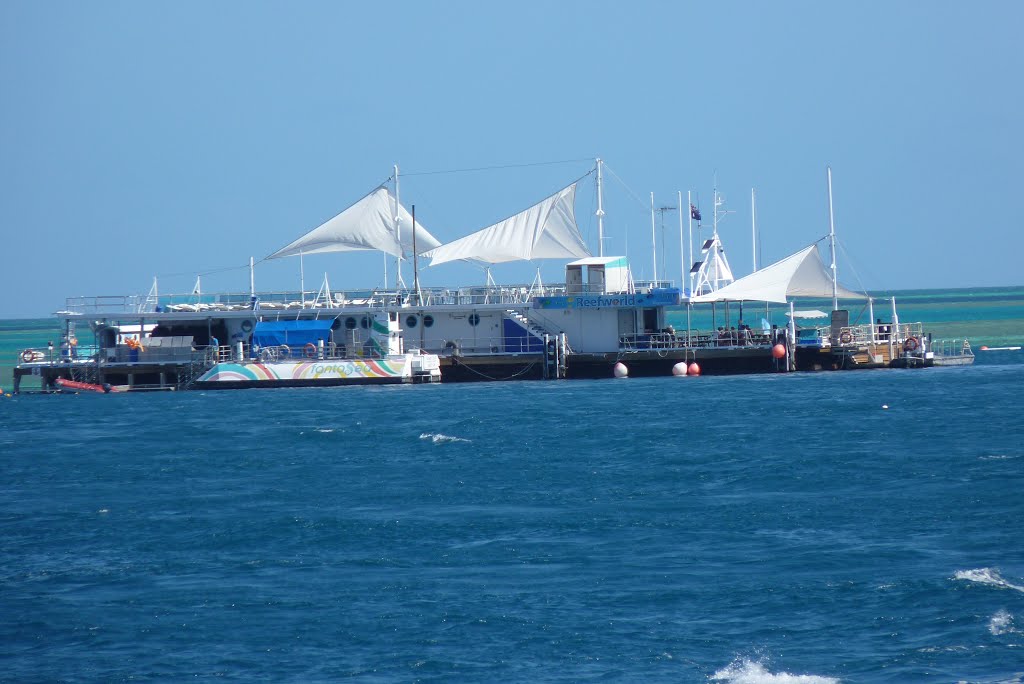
{"type": "Point", "coordinates": [694, 213]}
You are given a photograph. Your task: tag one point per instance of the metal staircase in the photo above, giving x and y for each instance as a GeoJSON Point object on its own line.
{"type": "Point", "coordinates": [554, 348]}
{"type": "Point", "coordinates": [531, 328]}
{"type": "Point", "coordinates": [199, 364]}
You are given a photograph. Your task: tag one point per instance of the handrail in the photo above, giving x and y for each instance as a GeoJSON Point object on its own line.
{"type": "Point", "coordinates": [287, 300]}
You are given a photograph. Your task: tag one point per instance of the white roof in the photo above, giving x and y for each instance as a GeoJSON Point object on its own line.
{"type": "Point", "coordinates": [809, 313]}
{"type": "Point", "coordinates": [547, 230]}
{"type": "Point", "coordinates": [798, 275]}
{"type": "Point", "coordinates": [367, 224]}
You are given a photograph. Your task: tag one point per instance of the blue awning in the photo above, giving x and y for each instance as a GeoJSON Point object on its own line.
{"type": "Point", "coordinates": [291, 333]}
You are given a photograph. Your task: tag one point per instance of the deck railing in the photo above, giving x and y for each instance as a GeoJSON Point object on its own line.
{"type": "Point", "coordinates": [287, 300]}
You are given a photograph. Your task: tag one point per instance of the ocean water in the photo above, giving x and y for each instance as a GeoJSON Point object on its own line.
{"type": "Point", "coordinates": [831, 527]}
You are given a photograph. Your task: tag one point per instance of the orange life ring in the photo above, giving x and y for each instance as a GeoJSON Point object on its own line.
{"type": "Point", "coordinates": [845, 337]}
{"type": "Point", "coordinates": [28, 355]}
{"type": "Point", "coordinates": [309, 350]}
{"type": "Point", "coordinates": [911, 344]}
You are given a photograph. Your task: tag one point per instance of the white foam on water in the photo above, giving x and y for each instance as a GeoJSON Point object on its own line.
{"type": "Point", "coordinates": [438, 438]}
{"type": "Point", "coordinates": [1002, 623]}
{"type": "Point", "coordinates": [325, 430]}
{"type": "Point", "coordinates": [989, 576]}
{"type": "Point", "coordinates": [744, 671]}
{"type": "Point", "coordinates": [998, 457]}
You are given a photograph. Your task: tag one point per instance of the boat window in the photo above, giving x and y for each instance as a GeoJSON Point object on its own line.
{"type": "Point", "coordinates": [428, 321]}
{"type": "Point", "coordinates": [474, 319]}
{"type": "Point", "coordinates": [350, 323]}
{"type": "Point", "coordinates": [410, 321]}
{"type": "Point", "coordinates": [365, 323]}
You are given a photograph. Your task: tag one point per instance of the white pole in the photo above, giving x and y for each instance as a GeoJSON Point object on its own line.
{"type": "Point", "coordinates": [302, 281]}
{"type": "Point", "coordinates": [791, 347]}
{"type": "Point", "coordinates": [398, 237]}
{"type": "Point", "coordinates": [252, 277]}
{"type": "Point", "coordinates": [832, 243]}
{"type": "Point", "coordinates": [600, 209]}
{"type": "Point", "coordinates": [682, 252]}
{"type": "Point", "coordinates": [871, 320]}
{"type": "Point", "coordinates": [715, 232]}
{"type": "Point", "coordinates": [689, 212]}
{"type": "Point", "coordinates": [753, 225]}
{"type": "Point", "coordinates": [894, 336]}
{"type": "Point", "coordinates": [654, 243]}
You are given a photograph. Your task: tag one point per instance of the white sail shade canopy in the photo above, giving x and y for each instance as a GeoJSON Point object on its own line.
{"type": "Point", "coordinates": [367, 224]}
{"type": "Point", "coordinates": [547, 230]}
{"type": "Point", "coordinates": [799, 275]}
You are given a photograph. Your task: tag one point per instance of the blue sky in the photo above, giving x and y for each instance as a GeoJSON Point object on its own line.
{"type": "Point", "coordinates": [142, 139]}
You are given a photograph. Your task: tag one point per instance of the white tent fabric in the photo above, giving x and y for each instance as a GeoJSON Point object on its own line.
{"type": "Point", "coordinates": [367, 224]}
{"type": "Point", "coordinates": [546, 230]}
{"type": "Point", "coordinates": [799, 275]}
{"type": "Point", "coordinates": [809, 313]}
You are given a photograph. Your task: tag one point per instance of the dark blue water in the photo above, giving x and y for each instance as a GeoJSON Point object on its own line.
{"type": "Point", "coordinates": [739, 529]}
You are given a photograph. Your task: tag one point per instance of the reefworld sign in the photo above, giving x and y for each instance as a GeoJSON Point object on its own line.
{"type": "Point", "coordinates": [659, 298]}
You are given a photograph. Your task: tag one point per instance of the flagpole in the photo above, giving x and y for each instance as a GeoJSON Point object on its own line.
{"type": "Point", "coordinates": [689, 201]}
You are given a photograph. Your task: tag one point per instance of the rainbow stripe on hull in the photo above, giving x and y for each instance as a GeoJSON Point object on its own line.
{"type": "Point", "coordinates": [394, 369]}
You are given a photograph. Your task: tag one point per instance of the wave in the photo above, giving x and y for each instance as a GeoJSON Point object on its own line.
{"type": "Point", "coordinates": [438, 438]}
{"type": "Point", "coordinates": [1002, 623]}
{"type": "Point", "coordinates": [989, 576]}
{"type": "Point", "coordinates": [744, 671]}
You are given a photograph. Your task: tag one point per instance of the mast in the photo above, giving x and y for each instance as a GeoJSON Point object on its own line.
{"type": "Point", "coordinates": [654, 243]}
{"type": "Point", "coordinates": [753, 225]}
{"type": "Point", "coordinates": [832, 243]}
{"type": "Point", "coordinates": [398, 236]}
{"type": "Point", "coordinates": [714, 223]}
{"type": "Point", "coordinates": [415, 262]}
{"type": "Point", "coordinates": [682, 252]}
{"type": "Point", "coordinates": [252, 277]}
{"type": "Point", "coordinates": [600, 209]}
{"type": "Point", "coordinates": [302, 281]}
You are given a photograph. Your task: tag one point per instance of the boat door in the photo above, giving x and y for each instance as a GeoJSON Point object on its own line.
{"type": "Point", "coordinates": [627, 322]}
